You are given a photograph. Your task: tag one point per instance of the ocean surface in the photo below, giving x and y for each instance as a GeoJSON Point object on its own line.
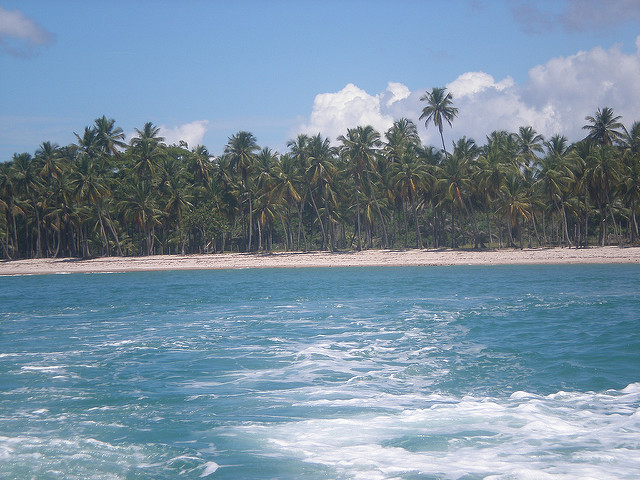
{"type": "Point", "coordinates": [500, 372]}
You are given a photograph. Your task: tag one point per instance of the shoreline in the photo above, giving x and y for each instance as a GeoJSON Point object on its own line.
{"type": "Point", "coordinates": [368, 258]}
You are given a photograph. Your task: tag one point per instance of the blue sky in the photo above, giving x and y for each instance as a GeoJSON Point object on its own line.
{"type": "Point", "coordinates": [203, 70]}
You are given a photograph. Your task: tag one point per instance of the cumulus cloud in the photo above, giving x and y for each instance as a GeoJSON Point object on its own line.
{"type": "Point", "coordinates": [19, 35]}
{"type": "Point", "coordinates": [573, 15]}
{"type": "Point", "coordinates": [473, 83]}
{"type": "Point", "coordinates": [554, 100]}
{"type": "Point", "coordinates": [334, 113]}
{"type": "Point", "coordinates": [192, 133]}
{"type": "Point", "coordinates": [556, 97]}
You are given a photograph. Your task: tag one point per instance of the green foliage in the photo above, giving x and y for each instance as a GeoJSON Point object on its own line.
{"type": "Point", "coordinates": [102, 196]}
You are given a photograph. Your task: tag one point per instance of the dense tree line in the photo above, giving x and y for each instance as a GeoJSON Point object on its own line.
{"type": "Point", "coordinates": [101, 196]}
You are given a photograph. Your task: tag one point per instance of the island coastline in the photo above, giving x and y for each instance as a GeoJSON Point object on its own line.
{"type": "Point", "coordinates": [368, 258]}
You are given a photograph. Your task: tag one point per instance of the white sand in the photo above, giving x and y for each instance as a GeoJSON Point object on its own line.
{"type": "Point", "coordinates": [323, 259]}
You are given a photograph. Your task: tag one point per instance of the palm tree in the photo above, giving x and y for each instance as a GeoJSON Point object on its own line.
{"type": "Point", "coordinates": [439, 109]}
{"type": "Point", "coordinates": [139, 206]}
{"type": "Point", "coordinates": [149, 132]}
{"type": "Point", "coordinates": [360, 146]}
{"type": "Point", "coordinates": [530, 143]}
{"type": "Point", "coordinates": [408, 178]}
{"type": "Point", "coordinates": [320, 174]}
{"type": "Point", "coordinates": [147, 152]}
{"type": "Point", "coordinates": [631, 163]}
{"type": "Point", "coordinates": [604, 128]}
{"type": "Point", "coordinates": [200, 165]}
{"type": "Point", "coordinates": [453, 179]}
{"type": "Point", "coordinates": [108, 137]}
{"type": "Point", "coordinates": [402, 139]}
{"type": "Point", "coordinates": [554, 178]}
{"type": "Point", "coordinates": [10, 195]}
{"type": "Point", "coordinates": [298, 149]}
{"type": "Point", "coordinates": [27, 181]}
{"type": "Point", "coordinates": [602, 174]}
{"type": "Point", "coordinates": [241, 149]}
{"type": "Point", "coordinates": [287, 190]}
{"type": "Point", "coordinates": [514, 203]}
{"type": "Point", "coordinates": [48, 154]}
{"type": "Point", "coordinates": [178, 195]}
{"type": "Point", "coordinates": [89, 184]}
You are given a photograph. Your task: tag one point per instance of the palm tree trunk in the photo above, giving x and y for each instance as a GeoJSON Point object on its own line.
{"type": "Point", "coordinates": [615, 226]}
{"type": "Point", "coordinates": [415, 219]}
{"type": "Point", "coordinates": [442, 138]}
{"type": "Point", "coordinates": [38, 236]}
{"type": "Point", "coordinates": [565, 231]}
{"type": "Point", "coordinates": [15, 231]}
{"type": "Point", "coordinates": [102, 230]}
{"type": "Point", "coordinates": [249, 241]}
{"type": "Point", "coordinates": [375, 201]}
{"type": "Point", "coordinates": [453, 226]}
{"type": "Point", "coordinates": [358, 221]}
{"type": "Point", "coordinates": [58, 236]}
{"type": "Point", "coordinates": [634, 230]}
{"type": "Point", "coordinates": [406, 224]}
{"type": "Point", "coordinates": [286, 234]}
{"type": "Point", "coordinates": [535, 228]}
{"type": "Point", "coordinates": [324, 235]}
{"type": "Point", "coordinates": [328, 219]}
{"type": "Point", "coordinates": [603, 225]}
{"type": "Point", "coordinates": [488, 225]}
{"type": "Point", "coordinates": [113, 232]}
{"type": "Point", "coordinates": [509, 230]}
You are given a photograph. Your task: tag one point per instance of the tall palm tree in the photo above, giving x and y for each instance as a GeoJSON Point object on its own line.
{"type": "Point", "coordinates": [631, 163]}
{"type": "Point", "coordinates": [241, 150]}
{"type": "Point", "coordinates": [178, 197]}
{"type": "Point", "coordinates": [530, 143]}
{"type": "Point", "coordinates": [287, 191]}
{"type": "Point", "coordinates": [514, 203]}
{"type": "Point", "coordinates": [48, 154]}
{"type": "Point", "coordinates": [10, 195]}
{"type": "Point", "coordinates": [200, 164]}
{"type": "Point", "coordinates": [604, 128]}
{"type": "Point", "coordinates": [603, 174]}
{"type": "Point", "coordinates": [89, 184]}
{"type": "Point", "coordinates": [149, 132]}
{"type": "Point", "coordinates": [453, 179]}
{"type": "Point", "coordinates": [408, 177]}
{"type": "Point", "coordinates": [139, 205]}
{"type": "Point", "coordinates": [320, 174]}
{"type": "Point", "coordinates": [147, 152]}
{"type": "Point", "coordinates": [439, 109]}
{"type": "Point", "coordinates": [361, 146]}
{"type": "Point", "coordinates": [402, 139]}
{"type": "Point", "coordinates": [109, 138]}
{"type": "Point", "coordinates": [299, 151]}
{"type": "Point", "coordinates": [27, 181]}
{"type": "Point", "coordinates": [554, 179]}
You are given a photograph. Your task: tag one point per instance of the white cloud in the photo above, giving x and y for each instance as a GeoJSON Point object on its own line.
{"type": "Point", "coordinates": [192, 133]}
{"type": "Point", "coordinates": [334, 113]}
{"type": "Point", "coordinates": [554, 100]}
{"type": "Point", "coordinates": [19, 35]}
{"type": "Point", "coordinates": [486, 105]}
{"type": "Point", "coordinates": [472, 83]}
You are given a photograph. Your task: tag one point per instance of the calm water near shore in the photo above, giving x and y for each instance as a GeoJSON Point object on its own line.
{"type": "Point", "coordinates": [499, 372]}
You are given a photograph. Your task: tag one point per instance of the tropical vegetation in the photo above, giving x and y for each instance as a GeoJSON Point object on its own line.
{"type": "Point", "coordinates": [102, 196]}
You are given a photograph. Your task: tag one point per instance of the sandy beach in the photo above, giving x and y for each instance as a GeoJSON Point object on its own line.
{"type": "Point", "coordinates": [322, 259]}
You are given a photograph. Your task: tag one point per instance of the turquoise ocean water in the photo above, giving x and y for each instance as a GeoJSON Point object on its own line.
{"type": "Point", "coordinates": [528, 372]}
